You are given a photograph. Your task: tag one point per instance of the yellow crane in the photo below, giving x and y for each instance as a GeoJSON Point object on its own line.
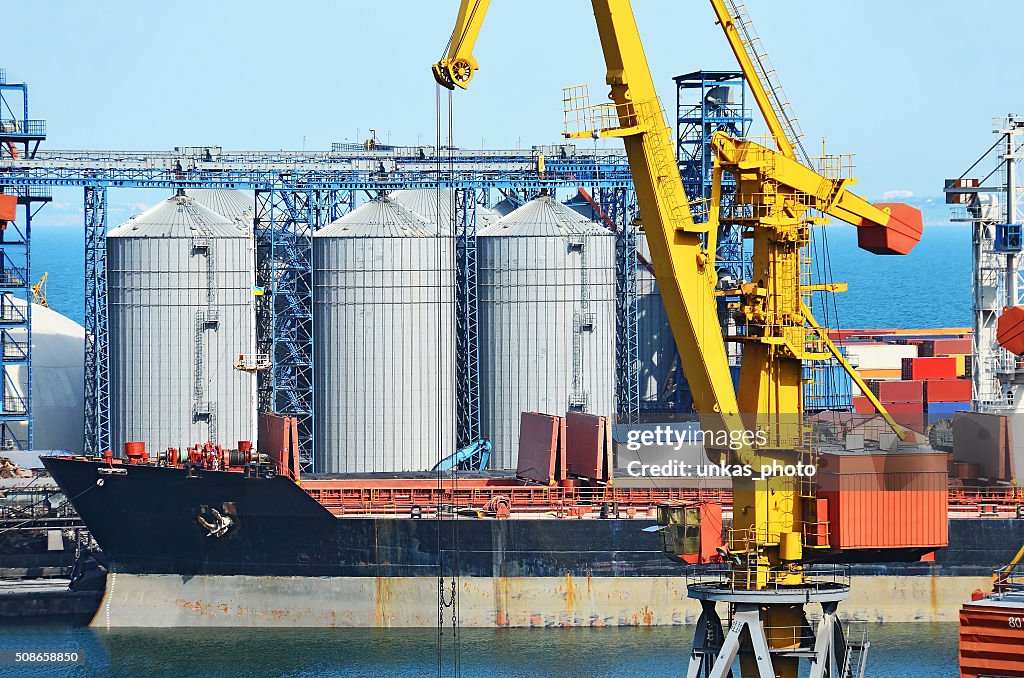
{"type": "Point", "coordinates": [768, 584]}
{"type": "Point", "coordinates": [39, 291]}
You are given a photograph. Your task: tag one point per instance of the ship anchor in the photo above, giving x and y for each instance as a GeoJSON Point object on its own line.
{"type": "Point", "coordinates": [220, 524]}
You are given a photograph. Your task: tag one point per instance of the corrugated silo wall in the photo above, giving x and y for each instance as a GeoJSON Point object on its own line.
{"type": "Point", "coordinates": [531, 292]}
{"type": "Point", "coordinates": [383, 323]}
{"type": "Point", "coordinates": [179, 317]}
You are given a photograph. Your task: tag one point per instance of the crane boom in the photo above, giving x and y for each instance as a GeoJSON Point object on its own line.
{"type": "Point", "coordinates": [457, 67]}
{"type": "Point", "coordinates": [771, 513]}
{"type": "Point", "coordinates": [728, 21]}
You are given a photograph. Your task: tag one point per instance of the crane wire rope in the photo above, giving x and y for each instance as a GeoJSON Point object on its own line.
{"type": "Point", "coordinates": [445, 600]}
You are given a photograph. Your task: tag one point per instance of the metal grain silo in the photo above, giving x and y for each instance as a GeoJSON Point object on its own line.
{"type": "Point", "coordinates": [180, 316]}
{"type": "Point", "coordinates": [383, 332]}
{"type": "Point", "coordinates": [547, 319]}
{"type": "Point", "coordinates": [436, 207]}
{"type": "Point", "coordinates": [234, 205]}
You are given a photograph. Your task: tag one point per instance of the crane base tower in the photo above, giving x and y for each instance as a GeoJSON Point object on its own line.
{"type": "Point", "coordinates": [826, 644]}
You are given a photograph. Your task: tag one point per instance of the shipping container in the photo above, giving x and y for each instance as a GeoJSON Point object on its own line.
{"type": "Point", "coordinates": [940, 411]}
{"type": "Point", "coordinates": [879, 356]}
{"type": "Point", "coordinates": [945, 347]}
{"type": "Point", "coordinates": [827, 387]}
{"type": "Point", "coordinates": [929, 368]}
{"type": "Point", "coordinates": [883, 501]}
{"type": "Point", "coordinates": [899, 391]}
{"type": "Point", "coordinates": [948, 408]}
{"type": "Point", "coordinates": [910, 415]}
{"type": "Point", "coordinates": [947, 391]}
{"type": "Point", "coordinates": [861, 405]}
{"type": "Point", "coordinates": [880, 374]}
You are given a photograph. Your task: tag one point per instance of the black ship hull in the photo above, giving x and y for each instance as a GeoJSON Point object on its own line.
{"type": "Point", "coordinates": [225, 549]}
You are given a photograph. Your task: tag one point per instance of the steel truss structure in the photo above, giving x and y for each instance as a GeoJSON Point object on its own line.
{"type": "Point", "coordinates": [19, 138]}
{"type": "Point", "coordinates": [706, 102]}
{"type": "Point", "coordinates": [297, 193]}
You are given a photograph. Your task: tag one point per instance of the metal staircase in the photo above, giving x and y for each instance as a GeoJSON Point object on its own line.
{"type": "Point", "coordinates": [769, 78]}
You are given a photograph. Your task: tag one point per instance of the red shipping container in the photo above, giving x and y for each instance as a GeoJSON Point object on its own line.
{"type": "Point", "coordinates": [929, 368]}
{"type": "Point", "coordinates": [910, 391]}
{"type": "Point", "coordinates": [948, 391]}
{"type": "Point", "coordinates": [953, 346]}
{"type": "Point", "coordinates": [885, 501]}
{"type": "Point", "coordinates": [861, 405]}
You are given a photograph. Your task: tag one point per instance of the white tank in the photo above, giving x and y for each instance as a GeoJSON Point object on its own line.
{"type": "Point", "coordinates": [231, 204]}
{"type": "Point", "coordinates": [436, 207]}
{"type": "Point", "coordinates": [180, 316]}
{"type": "Point", "coordinates": [547, 320]}
{"type": "Point", "coordinates": [383, 329]}
{"type": "Point", "coordinates": [58, 387]}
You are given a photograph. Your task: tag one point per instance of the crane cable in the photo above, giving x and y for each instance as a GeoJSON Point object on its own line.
{"type": "Point", "coordinates": [445, 599]}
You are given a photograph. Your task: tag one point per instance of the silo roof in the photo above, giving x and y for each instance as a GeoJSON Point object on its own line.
{"type": "Point", "coordinates": [178, 217]}
{"type": "Point", "coordinates": [424, 202]}
{"type": "Point", "coordinates": [231, 204]}
{"type": "Point", "coordinates": [544, 216]}
{"type": "Point", "coordinates": [379, 218]}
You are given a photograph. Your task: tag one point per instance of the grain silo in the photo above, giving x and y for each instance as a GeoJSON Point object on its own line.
{"type": "Point", "coordinates": [547, 319]}
{"type": "Point", "coordinates": [234, 205]}
{"type": "Point", "coordinates": [383, 333]}
{"type": "Point", "coordinates": [180, 317]}
{"type": "Point", "coordinates": [436, 206]}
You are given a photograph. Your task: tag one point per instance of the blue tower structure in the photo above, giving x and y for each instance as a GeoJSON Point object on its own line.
{"type": "Point", "coordinates": [706, 102]}
{"type": "Point", "coordinates": [20, 137]}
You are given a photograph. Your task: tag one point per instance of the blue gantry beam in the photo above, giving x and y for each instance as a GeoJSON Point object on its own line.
{"type": "Point", "coordinates": [297, 193]}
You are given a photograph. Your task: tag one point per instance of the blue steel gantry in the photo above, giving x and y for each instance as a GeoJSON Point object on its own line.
{"type": "Point", "coordinates": [19, 138]}
{"type": "Point", "coordinates": [297, 193]}
{"type": "Point", "coordinates": [706, 102]}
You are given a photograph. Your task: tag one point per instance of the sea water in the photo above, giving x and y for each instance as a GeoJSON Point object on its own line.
{"type": "Point", "coordinates": [913, 650]}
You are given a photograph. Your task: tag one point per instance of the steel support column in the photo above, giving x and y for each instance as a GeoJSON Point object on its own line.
{"type": "Point", "coordinates": [97, 357]}
{"type": "Point", "coordinates": [619, 205]}
{"type": "Point", "coordinates": [285, 220]}
{"type": "Point", "coordinates": [467, 343]}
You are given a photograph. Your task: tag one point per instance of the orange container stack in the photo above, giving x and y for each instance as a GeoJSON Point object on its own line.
{"type": "Point", "coordinates": [896, 500]}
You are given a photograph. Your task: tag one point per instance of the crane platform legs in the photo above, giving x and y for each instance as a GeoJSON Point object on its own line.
{"type": "Point", "coordinates": [764, 649]}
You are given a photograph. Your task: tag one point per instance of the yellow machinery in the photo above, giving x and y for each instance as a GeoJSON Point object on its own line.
{"type": "Point", "coordinates": [781, 199]}
{"type": "Point", "coordinates": [39, 291]}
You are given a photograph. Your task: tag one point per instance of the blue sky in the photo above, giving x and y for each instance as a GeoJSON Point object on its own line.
{"type": "Point", "coordinates": [909, 86]}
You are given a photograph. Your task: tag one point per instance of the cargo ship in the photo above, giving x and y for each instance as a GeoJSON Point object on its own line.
{"type": "Point", "coordinates": [992, 627]}
{"type": "Point", "coordinates": [229, 538]}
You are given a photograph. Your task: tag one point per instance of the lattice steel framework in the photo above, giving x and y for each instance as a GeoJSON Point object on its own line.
{"type": "Point", "coordinates": [19, 138]}
{"type": "Point", "coordinates": [706, 102]}
{"type": "Point", "coordinates": [285, 221]}
{"type": "Point", "coordinates": [619, 206]}
{"type": "Point", "coordinates": [97, 356]}
{"type": "Point", "coordinates": [467, 342]}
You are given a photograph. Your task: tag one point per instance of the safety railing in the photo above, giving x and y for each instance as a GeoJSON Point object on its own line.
{"type": "Point", "coordinates": [14, 405]}
{"type": "Point", "coordinates": [22, 128]}
{"type": "Point", "coordinates": [14, 349]}
{"type": "Point", "coordinates": [818, 578]}
{"type": "Point", "coordinates": [13, 276]}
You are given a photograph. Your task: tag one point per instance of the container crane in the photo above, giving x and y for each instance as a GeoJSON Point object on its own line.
{"type": "Point", "coordinates": [768, 583]}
